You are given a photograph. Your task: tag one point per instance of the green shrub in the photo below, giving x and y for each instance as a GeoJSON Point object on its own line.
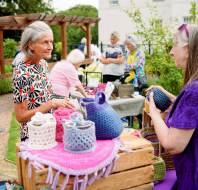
{"type": "Point", "coordinates": [158, 61]}
{"type": "Point", "coordinates": [5, 86]}
{"type": "Point", "coordinates": [10, 47]}
{"type": "Point", "coordinates": [8, 68]}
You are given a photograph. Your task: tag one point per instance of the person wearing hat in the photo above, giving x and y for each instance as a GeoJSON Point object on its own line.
{"type": "Point", "coordinates": [135, 64]}
{"type": "Point", "coordinates": [113, 59]}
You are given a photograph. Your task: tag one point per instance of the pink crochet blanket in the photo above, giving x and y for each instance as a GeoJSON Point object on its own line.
{"type": "Point", "coordinates": [99, 162]}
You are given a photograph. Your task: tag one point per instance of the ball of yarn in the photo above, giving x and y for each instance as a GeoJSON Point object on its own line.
{"type": "Point", "coordinates": [162, 101]}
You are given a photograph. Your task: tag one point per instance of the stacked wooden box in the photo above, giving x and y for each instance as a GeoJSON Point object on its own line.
{"type": "Point", "coordinates": [133, 170]}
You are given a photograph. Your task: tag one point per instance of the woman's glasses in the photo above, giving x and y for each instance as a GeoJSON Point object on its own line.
{"type": "Point", "coordinates": [183, 27]}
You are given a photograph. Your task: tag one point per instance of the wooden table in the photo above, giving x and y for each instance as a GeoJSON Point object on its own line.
{"type": "Point", "coordinates": [133, 170]}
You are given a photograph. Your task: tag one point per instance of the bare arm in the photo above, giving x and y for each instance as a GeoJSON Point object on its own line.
{"type": "Point", "coordinates": [172, 139]}
{"type": "Point", "coordinates": [82, 90]}
{"type": "Point", "coordinates": [118, 60]}
{"type": "Point", "coordinates": [24, 115]}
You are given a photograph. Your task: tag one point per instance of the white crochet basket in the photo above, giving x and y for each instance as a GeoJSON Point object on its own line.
{"type": "Point", "coordinates": [42, 131]}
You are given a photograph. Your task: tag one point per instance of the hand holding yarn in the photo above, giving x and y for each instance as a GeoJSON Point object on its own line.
{"type": "Point", "coordinates": [161, 100]}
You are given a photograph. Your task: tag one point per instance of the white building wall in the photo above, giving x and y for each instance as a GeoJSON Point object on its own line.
{"type": "Point", "coordinates": [113, 18]}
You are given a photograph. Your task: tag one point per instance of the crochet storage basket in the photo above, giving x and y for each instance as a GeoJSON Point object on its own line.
{"type": "Point", "coordinates": [168, 159]}
{"type": "Point", "coordinates": [107, 122]}
{"type": "Point", "coordinates": [60, 114]}
{"type": "Point", "coordinates": [77, 139]}
{"type": "Point", "coordinates": [42, 130]}
{"type": "Point", "coordinates": [159, 169]}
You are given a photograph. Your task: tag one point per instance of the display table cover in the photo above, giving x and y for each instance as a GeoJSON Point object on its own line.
{"type": "Point", "coordinates": [98, 162]}
{"type": "Point", "coordinates": [128, 106]}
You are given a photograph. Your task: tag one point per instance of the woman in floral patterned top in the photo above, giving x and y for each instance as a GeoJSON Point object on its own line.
{"type": "Point", "coordinates": [31, 87]}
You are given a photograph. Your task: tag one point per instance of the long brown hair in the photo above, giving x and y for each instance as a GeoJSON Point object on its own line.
{"type": "Point", "coordinates": [191, 72]}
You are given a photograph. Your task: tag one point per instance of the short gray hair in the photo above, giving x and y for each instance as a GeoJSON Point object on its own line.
{"type": "Point", "coordinates": [33, 32]}
{"type": "Point", "coordinates": [115, 34]}
{"type": "Point", "coordinates": [75, 56]}
{"type": "Point", "coordinates": [132, 40]}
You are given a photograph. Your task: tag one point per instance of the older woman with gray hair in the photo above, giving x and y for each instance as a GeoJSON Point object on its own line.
{"type": "Point", "coordinates": [31, 87]}
{"type": "Point", "coordinates": [64, 75]}
{"type": "Point", "coordinates": [135, 64]}
{"type": "Point", "coordinates": [113, 59]}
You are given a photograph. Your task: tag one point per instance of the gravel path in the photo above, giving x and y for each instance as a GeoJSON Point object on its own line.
{"type": "Point", "coordinates": [7, 170]}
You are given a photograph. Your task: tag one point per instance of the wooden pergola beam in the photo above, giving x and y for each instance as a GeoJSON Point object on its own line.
{"type": "Point", "coordinates": [1, 53]}
{"type": "Point", "coordinates": [64, 40]}
{"type": "Point", "coordinates": [19, 22]}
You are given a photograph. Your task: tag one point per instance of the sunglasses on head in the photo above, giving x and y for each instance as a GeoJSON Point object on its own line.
{"type": "Point", "coordinates": [183, 27]}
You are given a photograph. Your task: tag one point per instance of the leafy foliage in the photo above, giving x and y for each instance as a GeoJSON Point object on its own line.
{"type": "Point", "coordinates": [193, 12]}
{"type": "Point", "coordinates": [13, 7]}
{"type": "Point", "coordinates": [5, 85]}
{"type": "Point", "coordinates": [10, 47]}
{"type": "Point", "coordinates": [76, 33]}
{"type": "Point", "coordinates": [158, 61]}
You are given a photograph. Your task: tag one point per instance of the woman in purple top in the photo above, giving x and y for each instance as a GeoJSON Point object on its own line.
{"type": "Point", "coordinates": [179, 133]}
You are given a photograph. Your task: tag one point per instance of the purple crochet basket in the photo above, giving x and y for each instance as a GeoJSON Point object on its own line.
{"type": "Point", "coordinates": [107, 122]}
{"type": "Point", "coordinates": [78, 139]}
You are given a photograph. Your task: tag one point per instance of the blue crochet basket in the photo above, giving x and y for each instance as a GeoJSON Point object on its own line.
{"type": "Point", "coordinates": [79, 140]}
{"type": "Point", "coordinates": [107, 122]}
{"type": "Point", "coordinates": [162, 101]}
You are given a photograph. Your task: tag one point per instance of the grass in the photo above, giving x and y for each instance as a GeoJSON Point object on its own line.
{"type": "Point", "coordinates": [13, 138]}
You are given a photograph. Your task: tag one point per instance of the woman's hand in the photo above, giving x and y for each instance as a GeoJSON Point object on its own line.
{"type": "Point", "coordinates": [62, 103]}
{"type": "Point", "coordinates": [171, 96]}
{"type": "Point", "coordinates": [153, 111]}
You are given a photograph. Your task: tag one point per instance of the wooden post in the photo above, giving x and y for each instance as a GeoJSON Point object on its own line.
{"type": "Point", "coordinates": [88, 36]}
{"type": "Point", "coordinates": [64, 40]}
{"type": "Point", "coordinates": [2, 70]}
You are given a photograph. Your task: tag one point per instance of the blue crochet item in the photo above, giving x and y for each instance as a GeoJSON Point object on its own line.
{"type": "Point", "coordinates": [79, 139]}
{"type": "Point", "coordinates": [107, 122]}
{"type": "Point", "coordinates": [162, 101]}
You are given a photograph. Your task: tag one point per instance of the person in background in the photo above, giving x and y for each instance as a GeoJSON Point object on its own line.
{"type": "Point", "coordinates": [135, 64]}
{"type": "Point", "coordinates": [178, 134]}
{"type": "Point", "coordinates": [64, 75]}
{"type": "Point", "coordinates": [113, 59]}
{"type": "Point", "coordinates": [95, 51]}
{"type": "Point", "coordinates": [31, 87]}
{"type": "Point", "coordinates": [81, 47]}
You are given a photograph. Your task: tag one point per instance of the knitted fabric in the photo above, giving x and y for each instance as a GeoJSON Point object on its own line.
{"type": "Point", "coordinates": [41, 129]}
{"type": "Point", "coordinates": [107, 122]}
{"type": "Point", "coordinates": [60, 114]}
{"type": "Point", "coordinates": [162, 101]}
{"type": "Point", "coordinates": [85, 168]}
{"type": "Point", "coordinates": [79, 139]}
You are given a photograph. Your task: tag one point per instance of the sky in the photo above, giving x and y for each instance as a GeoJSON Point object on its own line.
{"type": "Point", "coordinates": [60, 5]}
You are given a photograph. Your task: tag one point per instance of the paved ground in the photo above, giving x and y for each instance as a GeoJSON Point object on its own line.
{"type": "Point", "coordinates": [7, 169]}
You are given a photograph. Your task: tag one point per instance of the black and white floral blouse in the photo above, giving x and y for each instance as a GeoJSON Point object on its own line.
{"type": "Point", "coordinates": [30, 82]}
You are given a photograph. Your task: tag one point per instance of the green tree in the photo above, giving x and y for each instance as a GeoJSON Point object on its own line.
{"type": "Point", "coordinates": [12, 7]}
{"type": "Point", "coordinates": [76, 33]}
{"type": "Point", "coordinates": [159, 64]}
{"type": "Point", "coordinates": [193, 12]}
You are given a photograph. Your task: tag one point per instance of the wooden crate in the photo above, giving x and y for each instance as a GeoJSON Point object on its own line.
{"type": "Point", "coordinates": [133, 170]}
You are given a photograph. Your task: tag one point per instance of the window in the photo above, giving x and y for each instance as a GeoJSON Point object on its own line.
{"type": "Point", "coordinates": [114, 2]}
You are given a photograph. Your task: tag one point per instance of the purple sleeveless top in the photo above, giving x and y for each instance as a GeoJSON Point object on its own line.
{"type": "Point", "coordinates": [184, 115]}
